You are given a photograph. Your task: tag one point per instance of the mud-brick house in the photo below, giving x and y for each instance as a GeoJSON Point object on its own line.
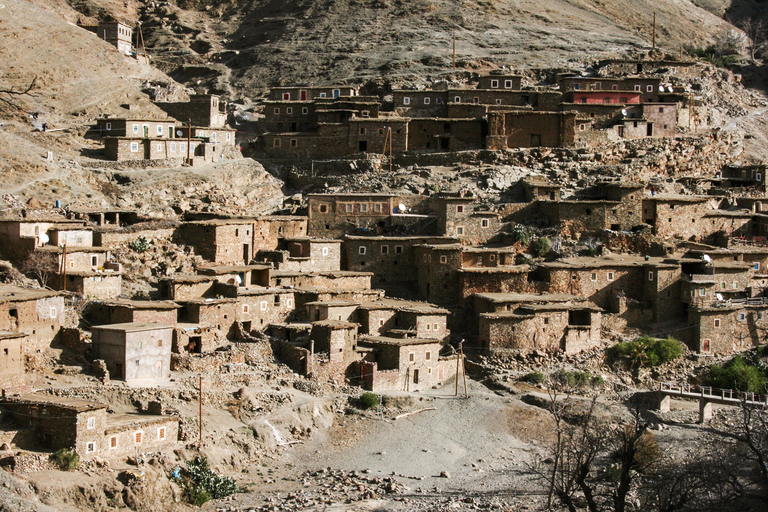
{"type": "Point", "coordinates": [128, 311]}
{"type": "Point", "coordinates": [459, 217]}
{"type": "Point", "coordinates": [447, 273]}
{"type": "Point", "coordinates": [84, 426]}
{"type": "Point", "coordinates": [390, 258]}
{"type": "Point", "coordinates": [220, 241]}
{"type": "Point", "coordinates": [134, 351]}
{"type": "Point", "coordinates": [11, 360]}
{"type": "Point", "coordinates": [36, 312]}
{"type": "Point", "coordinates": [137, 128]}
{"type": "Point", "coordinates": [237, 276]}
{"type": "Point", "coordinates": [727, 327]}
{"type": "Point", "coordinates": [189, 286]}
{"type": "Point", "coordinates": [260, 307]}
{"type": "Point", "coordinates": [678, 216]}
{"type": "Point", "coordinates": [304, 254]}
{"type": "Point", "coordinates": [520, 322]}
{"type": "Point", "coordinates": [639, 289]}
{"type": "Point", "coordinates": [339, 279]}
{"type": "Point", "coordinates": [706, 282]}
{"type": "Point", "coordinates": [403, 364]}
{"type": "Point", "coordinates": [269, 229]}
{"type": "Point", "coordinates": [530, 129]}
{"type": "Point", "coordinates": [334, 215]}
{"type": "Point", "coordinates": [117, 34]}
{"type": "Point", "coordinates": [401, 318]}
{"type": "Point", "coordinates": [202, 110]}
{"type": "Point", "coordinates": [20, 237]}
{"type": "Point", "coordinates": [646, 87]}
{"type": "Point", "coordinates": [105, 216]}
{"type": "Point", "coordinates": [541, 189]}
{"type": "Point", "coordinates": [207, 324]}
{"type": "Point", "coordinates": [103, 284]}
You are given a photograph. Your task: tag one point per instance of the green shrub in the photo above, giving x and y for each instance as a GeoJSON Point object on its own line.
{"type": "Point", "coordinates": [140, 245]}
{"type": "Point", "coordinates": [369, 400]}
{"type": "Point", "coordinates": [535, 377]}
{"type": "Point", "coordinates": [67, 459]}
{"type": "Point", "coordinates": [647, 351]}
{"type": "Point", "coordinates": [521, 234]}
{"type": "Point", "coordinates": [738, 374]}
{"type": "Point", "coordinates": [202, 484]}
{"type": "Point", "coordinates": [577, 379]}
{"type": "Point", "coordinates": [541, 246]}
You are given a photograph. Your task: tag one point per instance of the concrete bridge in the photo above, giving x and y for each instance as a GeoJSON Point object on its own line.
{"type": "Point", "coordinates": [707, 395]}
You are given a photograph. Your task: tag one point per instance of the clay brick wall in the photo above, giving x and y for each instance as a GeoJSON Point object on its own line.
{"type": "Point", "coordinates": [533, 129]}
{"type": "Point", "coordinates": [11, 361]}
{"type": "Point", "coordinates": [101, 286]}
{"type": "Point", "coordinates": [261, 310]}
{"type": "Point", "coordinates": [724, 331]}
{"type": "Point", "coordinates": [597, 284]}
{"type": "Point", "coordinates": [114, 239]}
{"type": "Point", "coordinates": [438, 274]}
{"type": "Point", "coordinates": [156, 434]}
{"type": "Point", "coordinates": [496, 281]}
{"type": "Point", "coordinates": [40, 319]}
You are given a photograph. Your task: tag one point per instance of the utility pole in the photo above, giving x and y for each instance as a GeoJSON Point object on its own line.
{"type": "Point", "coordinates": [189, 141]}
{"type": "Point", "coordinates": [459, 355]}
{"type": "Point", "coordinates": [201, 411]}
{"type": "Point", "coordinates": [389, 133]}
{"type": "Point", "coordinates": [654, 31]}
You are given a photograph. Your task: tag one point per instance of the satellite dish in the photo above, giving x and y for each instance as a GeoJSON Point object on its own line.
{"type": "Point", "coordinates": [624, 112]}
{"type": "Point", "coordinates": [179, 133]}
{"type": "Point", "coordinates": [44, 239]}
{"type": "Point", "coordinates": [707, 258]}
{"type": "Point", "coordinates": [238, 280]}
{"type": "Point", "coordinates": [719, 296]}
{"type": "Point", "coordinates": [670, 88]}
{"type": "Point", "coordinates": [661, 88]}
{"type": "Point", "coordinates": [401, 207]}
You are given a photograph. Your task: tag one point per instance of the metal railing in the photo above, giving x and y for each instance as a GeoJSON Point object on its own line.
{"type": "Point", "coordinates": [726, 396]}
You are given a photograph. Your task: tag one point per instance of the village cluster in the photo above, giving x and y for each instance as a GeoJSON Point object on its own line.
{"type": "Point", "coordinates": [376, 289]}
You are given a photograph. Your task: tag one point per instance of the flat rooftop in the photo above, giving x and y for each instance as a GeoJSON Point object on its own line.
{"type": "Point", "coordinates": [10, 293]}
{"type": "Point", "coordinates": [132, 327]}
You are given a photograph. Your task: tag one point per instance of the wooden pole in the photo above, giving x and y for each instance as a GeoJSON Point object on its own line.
{"type": "Point", "coordinates": [654, 30]}
{"type": "Point", "coordinates": [457, 369]}
{"type": "Point", "coordinates": [189, 142]}
{"type": "Point", "coordinates": [464, 370]}
{"type": "Point", "coordinates": [386, 139]}
{"type": "Point", "coordinates": [390, 150]}
{"type": "Point", "coordinates": [63, 282]}
{"type": "Point", "coordinates": [200, 415]}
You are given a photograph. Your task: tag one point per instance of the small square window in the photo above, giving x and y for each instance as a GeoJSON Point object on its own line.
{"type": "Point", "coordinates": [457, 99]}
{"type": "Point", "coordinates": [294, 143]}
{"type": "Point", "coordinates": [323, 208]}
{"type": "Point", "coordinates": [113, 442]}
{"type": "Point", "coordinates": [411, 357]}
{"type": "Point", "coordinates": [289, 110]}
{"type": "Point", "coordinates": [398, 249]}
{"type": "Point", "coordinates": [324, 251]}
{"type": "Point", "coordinates": [361, 250]}
{"type": "Point", "coordinates": [428, 355]}
{"type": "Point", "coordinates": [610, 276]}
{"type": "Point", "coordinates": [434, 327]}
{"type": "Point", "coordinates": [650, 276]}
{"type": "Point", "coordinates": [649, 88]}
{"type": "Point", "coordinates": [443, 259]}
{"type": "Point", "coordinates": [134, 147]}
{"type": "Point", "coordinates": [277, 110]}
{"type": "Point", "coordinates": [384, 249]}
{"type": "Point", "coordinates": [263, 305]}
{"type": "Point", "coordinates": [246, 308]}
{"type": "Point", "coordinates": [429, 327]}
{"type": "Point", "coordinates": [348, 207]}
{"type": "Point", "coordinates": [90, 447]}
{"type": "Point", "coordinates": [459, 230]}
{"type": "Point", "coordinates": [494, 84]}
{"type": "Point", "coordinates": [717, 322]}
{"type": "Point", "coordinates": [91, 422]}
{"type": "Point", "coordinates": [507, 84]}
{"type": "Point", "coordinates": [593, 276]}
{"type": "Point", "coordinates": [637, 88]}
{"type": "Point", "coordinates": [484, 223]}
{"type": "Point", "coordinates": [426, 101]}
{"type": "Point", "coordinates": [364, 208]}
{"type": "Point", "coordinates": [277, 143]}
{"type": "Point", "coordinates": [406, 100]}
{"type": "Point", "coordinates": [137, 437]}
{"type": "Point", "coordinates": [460, 208]}
{"type": "Point", "coordinates": [161, 433]}
{"type": "Point", "coordinates": [304, 110]}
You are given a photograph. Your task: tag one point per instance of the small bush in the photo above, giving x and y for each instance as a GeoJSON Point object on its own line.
{"type": "Point", "coordinates": [647, 351]}
{"type": "Point", "coordinates": [577, 379]}
{"type": "Point", "coordinates": [140, 245]}
{"type": "Point", "coordinates": [521, 234]}
{"type": "Point", "coordinates": [201, 484]}
{"type": "Point", "coordinates": [67, 459]}
{"type": "Point", "coordinates": [369, 400]}
{"type": "Point", "coordinates": [535, 377]}
{"type": "Point", "coordinates": [541, 247]}
{"type": "Point", "coordinates": [738, 374]}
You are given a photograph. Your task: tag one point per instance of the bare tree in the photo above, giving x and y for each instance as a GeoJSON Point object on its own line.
{"type": "Point", "coordinates": [595, 463]}
{"type": "Point", "coordinates": [41, 265]}
{"type": "Point", "coordinates": [757, 32]}
{"type": "Point", "coordinates": [9, 95]}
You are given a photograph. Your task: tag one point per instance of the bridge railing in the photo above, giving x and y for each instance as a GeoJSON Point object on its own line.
{"type": "Point", "coordinates": [683, 388]}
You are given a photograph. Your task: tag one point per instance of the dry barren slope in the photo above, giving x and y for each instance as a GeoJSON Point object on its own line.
{"type": "Point", "coordinates": [262, 42]}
